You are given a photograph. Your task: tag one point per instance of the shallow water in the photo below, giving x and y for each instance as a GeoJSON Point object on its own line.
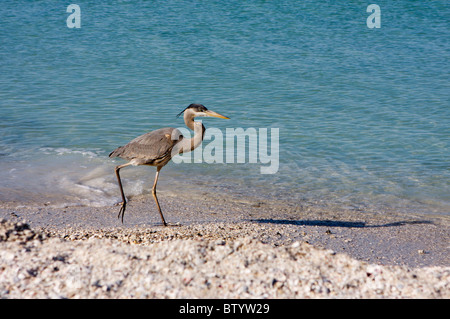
{"type": "Point", "coordinates": [363, 114]}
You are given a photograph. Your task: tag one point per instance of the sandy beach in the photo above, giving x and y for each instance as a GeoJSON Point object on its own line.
{"type": "Point", "coordinates": [220, 248]}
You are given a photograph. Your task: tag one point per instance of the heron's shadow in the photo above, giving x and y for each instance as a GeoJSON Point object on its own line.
{"type": "Point", "coordinates": [337, 223]}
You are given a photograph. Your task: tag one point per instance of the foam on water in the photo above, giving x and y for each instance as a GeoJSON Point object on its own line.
{"type": "Point", "coordinates": [64, 177]}
{"type": "Point", "coordinates": [59, 176]}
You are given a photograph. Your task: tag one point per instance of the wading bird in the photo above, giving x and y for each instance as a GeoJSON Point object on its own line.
{"type": "Point", "coordinates": [156, 148]}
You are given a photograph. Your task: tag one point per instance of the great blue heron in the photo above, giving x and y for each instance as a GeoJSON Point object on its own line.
{"type": "Point", "coordinates": [156, 148]}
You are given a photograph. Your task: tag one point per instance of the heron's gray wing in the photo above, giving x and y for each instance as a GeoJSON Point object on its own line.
{"type": "Point", "coordinates": [150, 148]}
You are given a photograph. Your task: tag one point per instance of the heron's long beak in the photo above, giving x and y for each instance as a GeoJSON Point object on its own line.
{"type": "Point", "coordinates": [214, 114]}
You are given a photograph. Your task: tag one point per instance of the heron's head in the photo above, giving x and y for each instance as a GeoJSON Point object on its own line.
{"type": "Point", "coordinates": [196, 110]}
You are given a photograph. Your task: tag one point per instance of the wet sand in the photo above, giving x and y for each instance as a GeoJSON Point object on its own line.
{"type": "Point", "coordinates": [399, 245]}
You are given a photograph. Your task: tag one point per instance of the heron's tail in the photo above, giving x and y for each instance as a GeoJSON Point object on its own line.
{"type": "Point", "coordinates": [117, 152]}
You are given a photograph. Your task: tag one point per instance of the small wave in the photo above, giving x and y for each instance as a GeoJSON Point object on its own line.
{"type": "Point", "coordinates": [61, 151]}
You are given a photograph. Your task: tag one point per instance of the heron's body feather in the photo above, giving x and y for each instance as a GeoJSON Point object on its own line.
{"type": "Point", "coordinates": [153, 148]}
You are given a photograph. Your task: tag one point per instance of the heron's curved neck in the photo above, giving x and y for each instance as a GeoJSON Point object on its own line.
{"type": "Point", "coordinates": [189, 120]}
{"type": "Point", "coordinates": [199, 132]}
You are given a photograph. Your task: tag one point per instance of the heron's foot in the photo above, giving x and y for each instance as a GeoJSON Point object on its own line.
{"type": "Point", "coordinates": [122, 209]}
{"type": "Point", "coordinates": [172, 224]}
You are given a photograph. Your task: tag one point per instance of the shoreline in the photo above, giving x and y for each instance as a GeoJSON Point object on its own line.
{"type": "Point", "coordinates": [387, 239]}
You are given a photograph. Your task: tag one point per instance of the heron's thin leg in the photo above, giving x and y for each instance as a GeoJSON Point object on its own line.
{"type": "Point", "coordinates": [124, 200]}
{"type": "Point", "coordinates": [154, 195]}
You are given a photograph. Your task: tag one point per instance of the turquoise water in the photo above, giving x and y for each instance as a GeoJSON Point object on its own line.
{"type": "Point", "coordinates": [363, 114]}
